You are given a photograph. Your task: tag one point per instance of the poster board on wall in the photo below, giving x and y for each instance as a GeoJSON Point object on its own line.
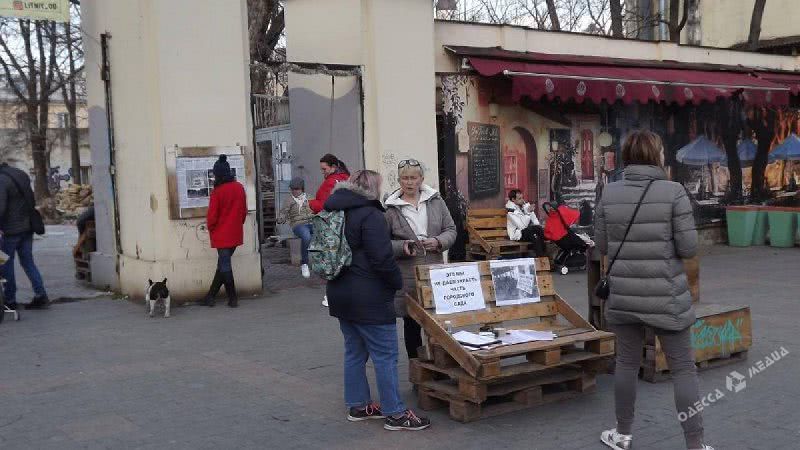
{"type": "Point", "coordinates": [484, 160]}
{"type": "Point", "coordinates": [190, 179]}
{"type": "Point", "coordinates": [55, 10]}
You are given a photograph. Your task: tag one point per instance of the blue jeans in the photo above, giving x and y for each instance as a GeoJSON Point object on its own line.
{"type": "Point", "coordinates": [378, 342]}
{"type": "Point", "coordinates": [22, 245]}
{"type": "Point", "coordinates": [224, 259]}
{"type": "Point", "coordinates": [304, 232]}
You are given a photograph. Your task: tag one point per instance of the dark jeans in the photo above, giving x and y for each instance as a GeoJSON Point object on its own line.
{"type": "Point", "coordinates": [412, 335]}
{"type": "Point", "coordinates": [680, 357]}
{"type": "Point", "coordinates": [535, 235]}
{"type": "Point", "coordinates": [224, 259]}
{"type": "Point", "coordinates": [379, 343]}
{"type": "Point", "coordinates": [304, 232]}
{"type": "Point", "coordinates": [22, 245]}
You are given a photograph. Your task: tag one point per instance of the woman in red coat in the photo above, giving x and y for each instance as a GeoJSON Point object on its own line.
{"type": "Point", "coordinates": [227, 212]}
{"type": "Point", "coordinates": [334, 171]}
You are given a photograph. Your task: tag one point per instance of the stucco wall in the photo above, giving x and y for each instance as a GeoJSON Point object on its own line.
{"type": "Point", "coordinates": [397, 71]}
{"type": "Point", "coordinates": [523, 39]}
{"type": "Point", "coordinates": [727, 22]}
{"type": "Point", "coordinates": [167, 92]}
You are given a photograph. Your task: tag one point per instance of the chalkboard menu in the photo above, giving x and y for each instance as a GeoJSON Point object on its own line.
{"type": "Point", "coordinates": [484, 160]}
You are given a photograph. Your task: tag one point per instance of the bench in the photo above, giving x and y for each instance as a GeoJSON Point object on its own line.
{"type": "Point", "coordinates": [487, 382]}
{"type": "Point", "coordinates": [488, 236]}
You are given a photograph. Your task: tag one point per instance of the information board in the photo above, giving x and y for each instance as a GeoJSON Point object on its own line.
{"type": "Point", "coordinates": [484, 159]}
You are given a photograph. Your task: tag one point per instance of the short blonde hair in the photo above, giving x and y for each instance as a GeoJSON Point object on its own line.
{"type": "Point", "coordinates": [643, 147]}
{"type": "Point", "coordinates": [405, 169]}
{"type": "Point", "coordinates": [369, 181]}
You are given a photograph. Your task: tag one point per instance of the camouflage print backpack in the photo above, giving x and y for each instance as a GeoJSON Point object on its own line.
{"type": "Point", "coordinates": [328, 251]}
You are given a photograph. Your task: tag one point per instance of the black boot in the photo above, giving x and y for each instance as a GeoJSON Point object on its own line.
{"type": "Point", "coordinates": [39, 302]}
{"type": "Point", "coordinates": [212, 291]}
{"type": "Point", "coordinates": [230, 289]}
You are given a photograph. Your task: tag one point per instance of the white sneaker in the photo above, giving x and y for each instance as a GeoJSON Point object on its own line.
{"type": "Point", "coordinates": [706, 447]}
{"type": "Point", "coordinates": [615, 440]}
{"type": "Point", "coordinates": [304, 269]}
{"type": "Point", "coordinates": [325, 301]}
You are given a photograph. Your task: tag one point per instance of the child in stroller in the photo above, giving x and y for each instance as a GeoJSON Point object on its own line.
{"type": "Point", "coordinates": [559, 229]}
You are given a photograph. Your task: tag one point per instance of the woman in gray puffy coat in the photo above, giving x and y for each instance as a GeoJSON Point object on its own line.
{"type": "Point", "coordinates": [422, 229]}
{"type": "Point", "coordinates": [648, 283]}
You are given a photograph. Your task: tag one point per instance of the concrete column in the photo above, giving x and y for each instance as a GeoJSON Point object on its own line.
{"type": "Point", "coordinates": [393, 43]}
{"type": "Point", "coordinates": [179, 72]}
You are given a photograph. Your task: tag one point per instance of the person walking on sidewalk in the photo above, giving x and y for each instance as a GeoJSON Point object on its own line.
{"type": "Point", "coordinates": [648, 284]}
{"type": "Point", "coordinates": [227, 212]}
{"type": "Point", "coordinates": [334, 171]}
{"type": "Point", "coordinates": [16, 235]}
{"type": "Point", "coordinates": [422, 228]}
{"type": "Point", "coordinates": [362, 298]}
{"type": "Point", "coordinates": [296, 211]}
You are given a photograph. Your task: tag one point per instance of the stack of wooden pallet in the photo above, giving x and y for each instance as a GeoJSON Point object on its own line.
{"type": "Point", "coordinates": [476, 384]}
{"type": "Point", "coordinates": [488, 235]}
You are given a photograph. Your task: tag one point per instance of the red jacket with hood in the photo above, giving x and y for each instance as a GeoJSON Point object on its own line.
{"type": "Point", "coordinates": [325, 190]}
{"type": "Point", "coordinates": [227, 212]}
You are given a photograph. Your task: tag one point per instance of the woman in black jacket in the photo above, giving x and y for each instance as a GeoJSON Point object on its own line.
{"type": "Point", "coordinates": [362, 298]}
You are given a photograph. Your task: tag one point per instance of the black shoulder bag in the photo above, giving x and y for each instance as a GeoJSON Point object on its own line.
{"type": "Point", "coordinates": [37, 223]}
{"type": "Point", "coordinates": [603, 288]}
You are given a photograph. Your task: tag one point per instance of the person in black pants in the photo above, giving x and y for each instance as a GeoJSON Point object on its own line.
{"type": "Point", "coordinates": [422, 229]}
{"type": "Point", "coordinates": [522, 223]}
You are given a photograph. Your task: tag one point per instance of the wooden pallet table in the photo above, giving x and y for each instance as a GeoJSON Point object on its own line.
{"type": "Point", "coordinates": [476, 384]}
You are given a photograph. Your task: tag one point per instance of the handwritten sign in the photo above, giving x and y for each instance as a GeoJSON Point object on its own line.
{"type": "Point", "coordinates": [526, 283]}
{"type": "Point", "coordinates": [457, 289]}
{"type": "Point", "coordinates": [484, 159]}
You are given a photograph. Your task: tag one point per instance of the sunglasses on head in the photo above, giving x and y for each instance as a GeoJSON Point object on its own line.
{"type": "Point", "coordinates": [408, 162]}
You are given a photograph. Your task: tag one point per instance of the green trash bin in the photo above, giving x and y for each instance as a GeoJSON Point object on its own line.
{"type": "Point", "coordinates": [741, 225]}
{"type": "Point", "coordinates": [782, 227]}
{"type": "Point", "coordinates": [761, 227]}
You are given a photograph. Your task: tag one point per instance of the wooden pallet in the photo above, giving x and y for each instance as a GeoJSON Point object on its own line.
{"type": "Point", "coordinates": [447, 368]}
{"type": "Point", "coordinates": [469, 400]}
{"type": "Point", "coordinates": [721, 335]}
{"type": "Point", "coordinates": [87, 244]}
{"type": "Point", "coordinates": [488, 236]}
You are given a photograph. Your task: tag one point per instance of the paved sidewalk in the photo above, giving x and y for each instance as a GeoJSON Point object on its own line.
{"type": "Point", "coordinates": [99, 374]}
{"type": "Point", "coordinates": [53, 257]}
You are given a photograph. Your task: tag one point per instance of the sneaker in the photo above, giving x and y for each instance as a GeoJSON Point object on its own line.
{"type": "Point", "coordinates": [39, 303]}
{"type": "Point", "coordinates": [408, 421]}
{"type": "Point", "coordinates": [706, 447]}
{"type": "Point", "coordinates": [11, 306]}
{"type": "Point", "coordinates": [615, 440]}
{"type": "Point", "coordinates": [304, 270]}
{"type": "Point", "coordinates": [325, 301]}
{"type": "Point", "coordinates": [372, 411]}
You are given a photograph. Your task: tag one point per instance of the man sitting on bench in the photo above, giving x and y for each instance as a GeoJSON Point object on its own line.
{"type": "Point", "coordinates": [522, 223]}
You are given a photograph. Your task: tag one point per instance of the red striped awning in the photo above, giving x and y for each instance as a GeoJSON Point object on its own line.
{"type": "Point", "coordinates": [790, 80]}
{"type": "Point", "coordinates": [629, 84]}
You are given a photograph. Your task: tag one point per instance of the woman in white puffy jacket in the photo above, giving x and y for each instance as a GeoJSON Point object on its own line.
{"type": "Point", "coordinates": [522, 223]}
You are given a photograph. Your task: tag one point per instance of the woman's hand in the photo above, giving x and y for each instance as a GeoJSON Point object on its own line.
{"type": "Point", "coordinates": [409, 248]}
{"type": "Point", "coordinates": [431, 244]}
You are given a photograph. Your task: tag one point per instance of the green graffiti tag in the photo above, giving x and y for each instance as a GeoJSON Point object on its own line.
{"type": "Point", "coordinates": [705, 335]}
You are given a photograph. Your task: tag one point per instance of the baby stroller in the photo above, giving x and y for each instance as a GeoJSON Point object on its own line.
{"type": "Point", "coordinates": [558, 228]}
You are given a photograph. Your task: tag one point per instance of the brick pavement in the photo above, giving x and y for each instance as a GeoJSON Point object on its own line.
{"type": "Point", "coordinates": [99, 374]}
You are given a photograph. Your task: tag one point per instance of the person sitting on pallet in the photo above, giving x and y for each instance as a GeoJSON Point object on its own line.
{"type": "Point", "coordinates": [522, 224]}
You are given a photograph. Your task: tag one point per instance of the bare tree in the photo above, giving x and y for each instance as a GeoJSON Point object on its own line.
{"type": "Point", "coordinates": [266, 24]}
{"type": "Point", "coordinates": [555, 23]}
{"type": "Point", "coordinates": [755, 24]}
{"type": "Point", "coordinates": [69, 79]}
{"type": "Point", "coordinates": [615, 7]}
{"type": "Point", "coordinates": [29, 61]}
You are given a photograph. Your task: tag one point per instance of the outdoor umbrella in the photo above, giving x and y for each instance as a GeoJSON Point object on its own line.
{"type": "Point", "coordinates": [701, 152]}
{"type": "Point", "coordinates": [789, 150]}
{"type": "Point", "coordinates": [747, 150]}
